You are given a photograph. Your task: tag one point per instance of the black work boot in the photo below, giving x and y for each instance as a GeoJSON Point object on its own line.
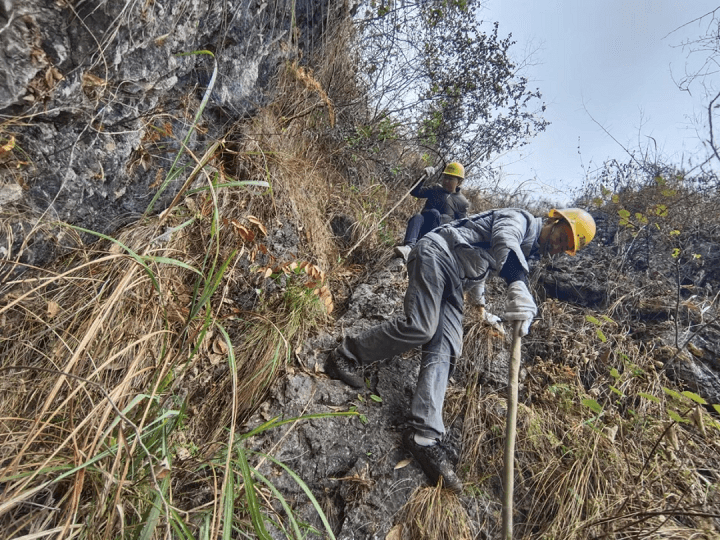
{"type": "Point", "coordinates": [434, 461]}
{"type": "Point", "coordinates": [338, 366]}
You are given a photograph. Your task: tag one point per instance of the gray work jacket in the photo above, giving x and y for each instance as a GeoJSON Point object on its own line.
{"type": "Point", "coordinates": [480, 243]}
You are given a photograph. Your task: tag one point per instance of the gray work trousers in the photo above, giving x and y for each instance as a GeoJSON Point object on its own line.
{"type": "Point", "coordinates": [432, 318]}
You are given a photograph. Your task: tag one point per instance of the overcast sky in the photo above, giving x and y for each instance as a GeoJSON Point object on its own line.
{"type": "Point", "coordinates": [613, 58]}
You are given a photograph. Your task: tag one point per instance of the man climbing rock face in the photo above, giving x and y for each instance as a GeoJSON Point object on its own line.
{"type": "Point", "coordinates": [459, 255]}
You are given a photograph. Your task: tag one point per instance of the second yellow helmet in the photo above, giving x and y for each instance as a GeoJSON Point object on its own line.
{"type": "Point", "coordinates": [455, 169]}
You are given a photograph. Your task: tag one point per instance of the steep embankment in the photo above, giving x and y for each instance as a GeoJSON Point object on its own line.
{"type": "Point", "coordinates": [153, 383]}
{"type": "Point", "coordinates": [107, 106]}
{"type": "Point", "coordinates": [600, 406]}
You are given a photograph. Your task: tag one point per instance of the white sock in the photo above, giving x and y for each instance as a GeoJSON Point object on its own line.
{"type": "Point", "coordinates": [424, 441]}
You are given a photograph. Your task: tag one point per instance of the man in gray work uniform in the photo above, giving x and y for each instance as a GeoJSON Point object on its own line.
{"type": "Point", "coordinates": [451, 257]}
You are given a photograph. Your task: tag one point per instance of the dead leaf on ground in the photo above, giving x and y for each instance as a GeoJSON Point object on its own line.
{"type": "Point", "coordinates": [256, 221]}
{"type": "Point", "coordinates": [53, 309]}
{"type": "Point", "coordinates": [219, 346]}
{"type": "Point", "coordinates": [611, 432]}
{"type": "Point", "coordinates": [244, 233]}
{"type": "Point", "coordinates": [162, 469]}
{"type": "Point", "coordinates": [8, 146]}
{"type": "Point", "coordinates": [183, 453]}
{"type": "Point", "coordinates": [395, 533]}
{"type": "Point", "coordinates": [403, 463]}
{"type": "Point", "coordinates": [697, 416]}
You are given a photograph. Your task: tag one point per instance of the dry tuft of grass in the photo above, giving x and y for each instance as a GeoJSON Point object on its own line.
{"type": "Point", "coordinates": [305, 77]}
{"type": "Point", "coordinates": [433, 513]}
{"type": "Point", "coordinates": [606, 446]}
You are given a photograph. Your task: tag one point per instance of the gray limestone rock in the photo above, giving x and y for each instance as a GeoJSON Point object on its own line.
{"type": "Point", "coordinates": [107, 90]}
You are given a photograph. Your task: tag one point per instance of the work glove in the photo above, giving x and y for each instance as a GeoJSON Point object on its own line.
{"type": "Point", "coordinates": [492, 320]}
{"type": "Point", "coordinates": [520, 306]}
{"type": "Point", "coordinates": [429, 171]}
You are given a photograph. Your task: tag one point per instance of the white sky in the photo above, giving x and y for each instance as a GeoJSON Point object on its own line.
{"type": "Point", "coordinates": [610, 58]}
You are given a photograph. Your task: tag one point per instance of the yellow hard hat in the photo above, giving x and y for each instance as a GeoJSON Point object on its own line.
{"type": "Point", "coordinates": [581, 223]}
{"type": "Point", "coordinates": [455, 169]}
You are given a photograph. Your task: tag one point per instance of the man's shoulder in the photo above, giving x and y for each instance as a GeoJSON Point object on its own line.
{"type": "Point", "coordinates": [459, 197]}
{"type": "Point", "coordinates": [505, 212]}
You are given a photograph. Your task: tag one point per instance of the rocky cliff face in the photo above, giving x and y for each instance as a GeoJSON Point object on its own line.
{"type": "Point", "coordinates": [98, 98]}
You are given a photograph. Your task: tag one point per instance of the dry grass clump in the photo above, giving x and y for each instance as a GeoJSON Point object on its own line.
{"type": "Point", "coordinates": [482, 368]}
{"type": "Point", "coordinates": [79, 346]}
{"type": "Point", "coordinates": [295, 145]}
{"type": "Point", "coordinates": [113, 347]}
{"type": "Point", "coordinates": [120, 353]}
{"type": "Point", "coordinates": [606, 447]}
{"type": "Point", "coordinates": [432, 513]}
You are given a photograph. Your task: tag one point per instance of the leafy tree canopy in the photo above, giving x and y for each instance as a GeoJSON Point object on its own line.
{"type": "Point", "coordinates": [449, 79]}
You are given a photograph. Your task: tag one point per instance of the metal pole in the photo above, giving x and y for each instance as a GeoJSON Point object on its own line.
{"type": "Point", "coordinates": [511, 422]}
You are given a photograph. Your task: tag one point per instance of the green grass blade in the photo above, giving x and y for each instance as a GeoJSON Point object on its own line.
{"type": "Point", "coordinates": [181, 530]}
{"type": "Point", "coordinates": [252, 503]}
{"type": "Point", "coordinates": [153, 516]}
{"type": "Point", "coordinates": [212, 286]}
{"type": "Point", "coordinates": [173, 262]}
{"type": "Point", "coordinates": [130, 252]}
{"type": "Point", "coordinates": [229, 485]}
{"type": "Point", "coordinates": [283, 503]}
{"type": "Point", "coordinates": [201, 335]}
{"type": "Point", "coordinates": [228, 504]}
{"type": "Point", "coordinates": [273, 422]}
{"type": "Point", "coordinates": [299, 481]}
{"type": "Point", "coordinates": [205, 528]}
{"type": "Point", "coordinates": [237, 183]}
{"type": "Point", "coordinates": [174, 169]}
{"type": "Point", "coordinates": [129, 407]}
{"type": "Point", "coordinates": [210, 85]}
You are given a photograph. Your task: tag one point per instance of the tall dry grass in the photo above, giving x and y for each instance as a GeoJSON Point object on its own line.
{"type": "Point", "coordinates": [129, 364]}
{"type": "Point", "coordinates": [115, 358]}
{"type": "Point", "coordinates": [607, 446]}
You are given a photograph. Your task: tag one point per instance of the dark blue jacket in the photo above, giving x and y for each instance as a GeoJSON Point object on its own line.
{"type": "Point", "coordinates": [451, 206]}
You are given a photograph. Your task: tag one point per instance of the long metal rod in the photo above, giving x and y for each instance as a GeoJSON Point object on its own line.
{"type": "Point", "coordinates": [510, 425]}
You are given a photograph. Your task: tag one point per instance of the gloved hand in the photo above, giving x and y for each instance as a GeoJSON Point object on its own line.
{"type": "Point", "coordinates": [429, 171]}
{"type": "Point", "coordinates": [525, 327]}
{"type": "Point", "coordinates": [520, 306]}
{"type": "Point", "coordinates": [490, 318]}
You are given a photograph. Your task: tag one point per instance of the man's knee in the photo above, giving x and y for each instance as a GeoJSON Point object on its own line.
{"type": "Point", "coordinates": [423, 334]}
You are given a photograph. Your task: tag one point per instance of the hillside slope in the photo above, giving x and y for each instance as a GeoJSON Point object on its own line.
{"type": "Point", "coordinates": [166, 379]}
